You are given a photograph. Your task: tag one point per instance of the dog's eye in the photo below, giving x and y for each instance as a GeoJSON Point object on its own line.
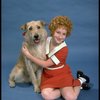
{"type": "Point", "coordinates": [38, 27]}
{"type": "Point", "coordinates": [30, 28]}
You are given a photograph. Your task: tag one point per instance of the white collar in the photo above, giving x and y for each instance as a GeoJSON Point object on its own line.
{"type": "Point", "coordinates": [63, 44]}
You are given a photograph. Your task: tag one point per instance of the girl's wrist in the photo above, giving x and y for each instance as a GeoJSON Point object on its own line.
{"type": "Point", "coordinates": [29, 56]}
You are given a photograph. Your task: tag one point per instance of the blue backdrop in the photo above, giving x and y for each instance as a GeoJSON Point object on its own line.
{"type": "Point", "coordinates": [83, 42]}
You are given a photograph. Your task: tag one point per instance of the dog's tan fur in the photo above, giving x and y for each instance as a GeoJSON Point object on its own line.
{"type": "Point", "coordinates": [25, 70]}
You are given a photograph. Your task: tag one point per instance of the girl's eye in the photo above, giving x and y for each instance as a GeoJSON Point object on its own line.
{"type": "Point", "coordinates": [38, 27]}
{"type": "Point", "coordinates": [30, 28]}
{"type": "Point", "coordinates": [64, 34]}
{"type": "Point", "coordinates": [58, 32]}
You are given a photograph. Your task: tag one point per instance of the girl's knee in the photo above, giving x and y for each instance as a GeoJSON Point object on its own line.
{"type": "Point", "coordinates": [70, 97]}
{"type": "Point", "coordinates": [45, 95]}
{"type": "Point", "coordinates": [50, 93]}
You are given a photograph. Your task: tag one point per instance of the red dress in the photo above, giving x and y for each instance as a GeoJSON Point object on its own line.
{"type": "Point", "coordinates": [59, 75]}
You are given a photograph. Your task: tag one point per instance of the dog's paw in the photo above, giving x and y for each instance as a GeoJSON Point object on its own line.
{"type": "Point", "coordinates": [12, 84]}
{"type": "Point", "coordinates": [37, 90]}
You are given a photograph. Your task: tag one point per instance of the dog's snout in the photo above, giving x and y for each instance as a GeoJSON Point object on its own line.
{"type": "Point", "coordinates": [36, 36]}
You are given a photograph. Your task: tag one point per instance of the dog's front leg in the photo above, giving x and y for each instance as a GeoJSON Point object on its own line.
{"type": "Point", "coordinates": [32, 75]}
{"type": "Point", "coordinates": [39, 73]}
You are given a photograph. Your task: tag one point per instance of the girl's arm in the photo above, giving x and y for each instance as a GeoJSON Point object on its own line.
{"type": "Point", "coordinates": [44, 64]}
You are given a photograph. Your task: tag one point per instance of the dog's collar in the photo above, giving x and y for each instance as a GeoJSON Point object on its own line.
{"type": "Point", "coordinates": [24, 33]}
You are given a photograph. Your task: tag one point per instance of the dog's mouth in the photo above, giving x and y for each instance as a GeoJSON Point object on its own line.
{"type": "Point", "coordinates": [36, 41]}
{"type": "Point", "coordinates": [36, 38]}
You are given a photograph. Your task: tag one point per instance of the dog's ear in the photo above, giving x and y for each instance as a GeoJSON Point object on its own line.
{"type": "Point", "coordinates": [23, 27]}
{"type": "Point", "coordinates": [43, 23]}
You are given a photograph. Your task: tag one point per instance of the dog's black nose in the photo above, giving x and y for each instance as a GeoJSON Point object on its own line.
{"type": "Point", "coordinates": [36, 36]}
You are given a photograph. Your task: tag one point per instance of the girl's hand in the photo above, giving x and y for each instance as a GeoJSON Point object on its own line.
{"type": "Point", "coordinates": [25, 51]}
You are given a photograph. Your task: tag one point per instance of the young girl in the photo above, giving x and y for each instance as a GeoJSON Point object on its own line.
{"type": "Point", "coordinates": [57, 77]}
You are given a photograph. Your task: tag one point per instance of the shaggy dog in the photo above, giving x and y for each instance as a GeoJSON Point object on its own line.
{"type": "Point", "coordinates": [26, 71]}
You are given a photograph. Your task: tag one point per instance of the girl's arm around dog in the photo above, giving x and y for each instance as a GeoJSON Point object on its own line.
{"type": "Point", "coordinates": [44, 64]}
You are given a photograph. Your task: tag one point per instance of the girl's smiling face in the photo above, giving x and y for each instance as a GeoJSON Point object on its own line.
{"type": "Point", "coordinates": [59, 35]}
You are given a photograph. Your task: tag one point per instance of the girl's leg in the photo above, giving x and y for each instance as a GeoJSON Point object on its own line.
{"type": "Point", "coordinates": [50, 93]}
{"type": "Point", "coordinates": [70, 93]}
{"type": "Point", "coordinates": [77, 90]}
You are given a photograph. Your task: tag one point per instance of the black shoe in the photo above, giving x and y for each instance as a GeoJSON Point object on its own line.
{"type": "Point", "coordinates": [81, 74]}
{"type": "Point", "coordinates": [85, 86]}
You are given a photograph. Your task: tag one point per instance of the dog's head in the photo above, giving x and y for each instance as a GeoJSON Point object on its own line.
{"type": "Point", "coordinates": [35, 32]}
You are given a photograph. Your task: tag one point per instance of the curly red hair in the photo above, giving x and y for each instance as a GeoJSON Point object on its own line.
{"type": "Point", "coordinates": [60, 21]}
